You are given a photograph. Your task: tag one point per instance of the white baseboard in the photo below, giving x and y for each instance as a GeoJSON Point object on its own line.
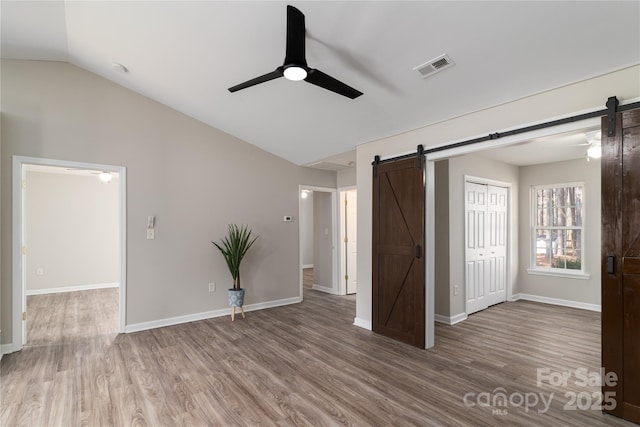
{"type": "Point", "coordinates": [135, 327]}
{"type": "Point", "coordinates": [8, 348]}
{"type": "Point", "coordinates": [366, 324]}
{"type": "Point", "coordinates": [557, 301]}
{"type": "Point", "coordinates": [72, 288]}
{"type": "Point", "coordinates": [307, 266]}
{"type": "Point", "coordinates": [324, 289]}
{"type": "Point", "coordinates": [450, 320]}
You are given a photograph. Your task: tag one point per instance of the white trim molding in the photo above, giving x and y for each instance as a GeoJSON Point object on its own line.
{"type": "Point", "coordinates": [450, 320]}
{"type": "Point", "coordinates": [160, 323]}
{"type": "Point", "coordinates": [72, 288]}
{"type": "Point", "coordinates": [307, 266]}
{"type": "Point", "coordinates": [8, 348]}
{"type": "Point", "coordinates": [324, 289]}
{"type": "Point", "coordinates": [556, 273]}
{"type": "Point", "coordinates": [557, 301]}
{"type": "Point", "coordinates": [361, 323]}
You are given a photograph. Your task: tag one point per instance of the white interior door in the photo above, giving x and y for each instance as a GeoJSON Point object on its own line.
{"type": "Point", "coordinates": [486, 245]}
{"type": "Point", "coordinates": [351, 244]}
{"type": "Point", "coordinates": [475, 243]}
{"type": "Point", "coordinates": [496, 291]}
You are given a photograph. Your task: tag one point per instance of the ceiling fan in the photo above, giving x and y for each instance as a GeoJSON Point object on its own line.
{"type": "Point", "coordinates": [295, 64]}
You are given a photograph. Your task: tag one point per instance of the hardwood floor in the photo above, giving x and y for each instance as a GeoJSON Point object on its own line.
{"type": "Point", "coordinates": [303, 364]}
{"type": "Point", "coordinates": [307, 278]}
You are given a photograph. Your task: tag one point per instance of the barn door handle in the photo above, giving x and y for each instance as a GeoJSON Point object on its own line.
{"type": "Point", "coordinates": [610, 263]}
{"type": "Point", "coordinates": [418, 251]}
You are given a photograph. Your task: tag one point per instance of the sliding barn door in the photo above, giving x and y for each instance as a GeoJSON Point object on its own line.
{"type": "Point", "coordinates": [398, 250]}
{"type": "Point", "coordinates": [621, 263]}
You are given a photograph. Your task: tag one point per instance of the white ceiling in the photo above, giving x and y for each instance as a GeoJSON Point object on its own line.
{"type": "Point", "coordinates": [186, 54]}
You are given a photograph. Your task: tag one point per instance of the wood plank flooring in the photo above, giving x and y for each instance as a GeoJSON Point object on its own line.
{"type": "Point", "coordinates": [303, 364]}
{"type": "Point", "coordinates": [308, 278]}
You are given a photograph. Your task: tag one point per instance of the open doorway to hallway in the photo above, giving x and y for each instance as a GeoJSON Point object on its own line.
{"type": "Point", "coordinates": [72, 257]}
{"type": "Point", "coordinates": [69, 251]}
{"type": "Point", "coordinates": [318, 239]}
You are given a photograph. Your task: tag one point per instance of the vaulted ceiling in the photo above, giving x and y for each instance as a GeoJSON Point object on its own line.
{"type": "Point", "coordinates": [186, 54]}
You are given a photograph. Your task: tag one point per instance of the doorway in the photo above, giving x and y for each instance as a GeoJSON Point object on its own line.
{"type": "Point", "coordinates": [487, 254]}
{"type": "Point", "coordinates": [47, 238]}
{"type": "Point", "coordinates": [318, 224]}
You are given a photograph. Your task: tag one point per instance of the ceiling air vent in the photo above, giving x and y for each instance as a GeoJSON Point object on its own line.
{"type": "Point", "coordinates": [431, 67]}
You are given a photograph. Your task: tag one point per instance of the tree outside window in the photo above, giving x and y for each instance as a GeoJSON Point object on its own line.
{"type": "Point", "coordinates": [558, 227]}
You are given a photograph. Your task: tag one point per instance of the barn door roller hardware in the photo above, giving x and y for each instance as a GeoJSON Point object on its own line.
{"type": "Point", "coordinates": [376, 162]}
{"type": "Point", "coordinates": [419, 153]}
{"type": "Point", "coordinates": [612, 110]}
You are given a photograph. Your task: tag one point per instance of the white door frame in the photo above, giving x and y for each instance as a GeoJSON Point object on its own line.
{"type": "Point", "coordinates": [342, 286]}
{"type": "Point", "coordinates": [334, 235]}
{"type": "Point", "coordinates": [508, 186]}
{"type": "Point", "coordinates": [431, 158]}
{"type": "Point", "coordinates": [18, 285]}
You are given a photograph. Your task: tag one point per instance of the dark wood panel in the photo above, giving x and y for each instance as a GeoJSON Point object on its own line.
{"type": "Point", "coordinates": [630, 265]}
{"type": "Point", "coordinates": [398, 278]}
{"type": "Point", "coordinates": [631, 249]}
{"type": "Point", "coordinates": [631, 118]}
{"type": "Point", "coordinates": [621, 239]}
{"type": "Point", "coordinates": [611, 205]}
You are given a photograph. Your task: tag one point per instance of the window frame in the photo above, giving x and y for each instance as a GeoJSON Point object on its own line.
{"type": "Point", "coordinates": [553, 271]}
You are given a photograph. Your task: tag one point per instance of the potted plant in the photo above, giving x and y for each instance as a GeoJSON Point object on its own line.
{"type": "Point", "coordinates": [234, 247]}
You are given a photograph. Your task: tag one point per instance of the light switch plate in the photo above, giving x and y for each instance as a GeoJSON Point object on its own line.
{"type": "Point", "coordinates": [151, 234]}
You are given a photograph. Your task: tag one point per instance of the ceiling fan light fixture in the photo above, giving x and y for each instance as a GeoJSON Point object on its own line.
{"type": "Point", "coordinates": [295, 73]}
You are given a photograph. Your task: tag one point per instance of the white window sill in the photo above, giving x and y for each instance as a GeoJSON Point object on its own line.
{"type": "Point", "coordinates": [567, 275]}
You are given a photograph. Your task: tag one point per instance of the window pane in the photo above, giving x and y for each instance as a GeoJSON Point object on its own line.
{"type": "Point", "coordinates": [559, 216]}
{"type": "Point", "coordinates": [574, 262]}
{"type": "Point", "coordinates": [544, 248]}
{"type": "Point", "coordinates": [555, 210]}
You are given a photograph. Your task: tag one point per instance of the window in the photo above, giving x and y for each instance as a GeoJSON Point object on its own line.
{"type": "Point", "coordinates": [558, 228]}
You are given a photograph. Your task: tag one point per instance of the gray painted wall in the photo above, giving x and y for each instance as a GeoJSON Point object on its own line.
{"type": "Point", "coordinates": [586, 291]}
{"type": "Point", "coordinates": [347, 177]}
{"type": "Point", "coordinates": [322, 239]}
{"type": "Point", "coordinates": [194, 178]}
{"type": "Point", "coordinates": [442, 257]}
{"type": "Point", "coordinates": [73, 230]}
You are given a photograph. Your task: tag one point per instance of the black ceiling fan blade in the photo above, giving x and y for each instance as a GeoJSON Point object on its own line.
{"type": "Point", "coordinates": [264, 78]}
{"type": "Point", "coordinates": [325, 81]}
{"type": "Point", "coordinates": [295, 38]}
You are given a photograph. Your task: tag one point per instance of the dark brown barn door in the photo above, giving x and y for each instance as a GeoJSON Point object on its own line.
{"type": "Point", "coordinates": [398, 250]}
{"type": "Point", "coordinates": [621, 262]}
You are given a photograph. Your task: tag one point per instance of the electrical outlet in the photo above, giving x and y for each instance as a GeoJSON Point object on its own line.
{"type": "Point", "coordinates": [40, 271]}
{"type": "Point", "coordinates": [212, 287]}
{"type": "Point", "coordinates": [151, 234]}
{"type": "Point", "coordinates": [456, 290]}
